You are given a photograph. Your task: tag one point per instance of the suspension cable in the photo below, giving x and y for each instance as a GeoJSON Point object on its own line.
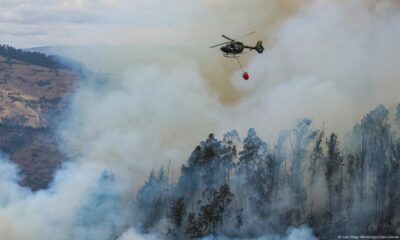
{"type": "Point", "coordinates": [241, 67]}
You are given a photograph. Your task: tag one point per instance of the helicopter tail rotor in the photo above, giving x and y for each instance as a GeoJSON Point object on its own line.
{"type": "Point", "coordinates": [259, 47]}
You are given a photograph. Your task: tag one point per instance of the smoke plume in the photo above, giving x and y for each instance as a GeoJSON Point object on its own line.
{"type": "Point", "coordinates": [327, 60]}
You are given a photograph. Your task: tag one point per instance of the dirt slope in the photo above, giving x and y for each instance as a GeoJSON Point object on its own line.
{"type": "Point", "coordinates": [31, 100]}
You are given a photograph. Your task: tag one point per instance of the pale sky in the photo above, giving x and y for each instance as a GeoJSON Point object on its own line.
{"type": "Point", "coordinates": [29, 23]}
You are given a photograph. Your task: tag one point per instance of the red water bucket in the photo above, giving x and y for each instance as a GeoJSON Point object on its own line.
{"type": "Point", "coordinates": [246, 76]}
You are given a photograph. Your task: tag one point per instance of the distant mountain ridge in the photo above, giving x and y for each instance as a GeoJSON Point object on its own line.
{"type": "Point", "coordinates": [39, 58]}
{"type": "Point", "coordinates": [97, 57]}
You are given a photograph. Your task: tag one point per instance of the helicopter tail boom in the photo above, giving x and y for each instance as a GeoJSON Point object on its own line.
{"type": "Point", "coordinates": [259, 47]}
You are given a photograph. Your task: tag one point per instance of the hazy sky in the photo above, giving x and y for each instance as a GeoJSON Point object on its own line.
{"type": "Point", "coordinates": [27, 23]}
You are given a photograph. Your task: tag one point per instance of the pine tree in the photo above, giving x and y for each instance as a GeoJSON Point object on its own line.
{"type": "Point", "coordinates": [177, 212]}
{"type": "Point", "coordinates": [316, 161]}
{"type": "Point", "coordinates": [252, 171]}
{"type": "Point", "coordinates": [303, 135]}
{"type": "Point", "coordinates": [333, 171]}
{"type": "Point", "coordinates": [210, 219]}
{"type": "Point", "coordinates": [280, 158]}
{"type": "Point", "coordinates": [153, 198]}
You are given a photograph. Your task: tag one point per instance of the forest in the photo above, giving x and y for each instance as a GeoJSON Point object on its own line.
{"type": "Point", "coordinates": [246, 188]}
{"type": "Point", "coordinates": [40, 59]}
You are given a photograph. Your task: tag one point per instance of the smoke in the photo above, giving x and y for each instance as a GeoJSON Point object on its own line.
{"type": "Point", "coordinates": [131, 234]}
{"type": "Point", "coordinates": [327, 60]}
{"type": "Point", "coordinates": [141, 122]}
{"type": "Point", "coordinates": [300, 233]}
{"type": "Point", "coordinates": [84, 202]}
{"type": "Point", "coordinates": [331, 61]}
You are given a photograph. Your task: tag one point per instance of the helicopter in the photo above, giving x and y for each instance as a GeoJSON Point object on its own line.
{"type": "Point", "coordinates": [233, 48]}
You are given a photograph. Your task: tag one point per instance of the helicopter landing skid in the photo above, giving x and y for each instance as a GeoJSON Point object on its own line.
{"type": "Point", "coordinates": [231, 55]}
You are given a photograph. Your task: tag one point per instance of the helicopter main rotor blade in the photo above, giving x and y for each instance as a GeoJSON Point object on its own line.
{"type": "Point", "coordinates": [227, 37]}
{"type": "Point", "coordinates": [246, 35]}
{"type": "Point", "coordinates": [219, 44]}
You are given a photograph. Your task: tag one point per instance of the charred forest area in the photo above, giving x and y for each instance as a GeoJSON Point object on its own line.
{"type": "Point", "coordinates": [247, 188]}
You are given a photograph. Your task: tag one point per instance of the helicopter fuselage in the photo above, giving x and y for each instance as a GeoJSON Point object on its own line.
{"type": "Point", "coordinates": [233, 48]}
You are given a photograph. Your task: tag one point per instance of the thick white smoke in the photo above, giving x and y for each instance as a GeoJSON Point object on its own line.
{"type": "Point", "coordinates": [131, 234]}
{"type": "Point", "coordinates": [143, 121]}
{"type": "Point", "coordinates": [300, 233]}
{"type": "Point", "coordinates": [328, 60]}
{"type": "Point", "coordinates": [332, 62]}
{"type": "Point", "coordinates": [83, 203]}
